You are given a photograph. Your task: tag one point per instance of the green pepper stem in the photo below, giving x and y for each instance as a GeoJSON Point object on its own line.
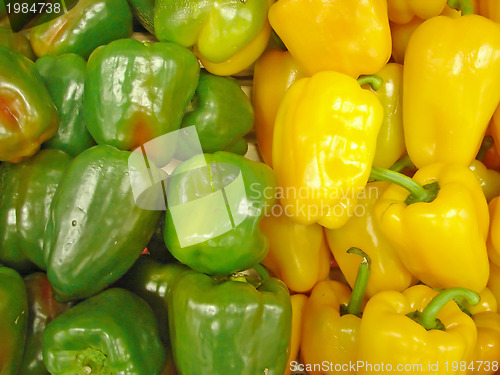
{"type": "Point", "coordinates": [429, 315]}
{"type": "Point", "coordinates": [359, 290]}
{"type": "Point", "coordinates": [486, 144]}
{"type": "Point", "coordinates": [464, 6]}
{"type": "Point", "coordinates": [417, 191]}
{"type": "Point", "coordinates": [373, 80]}
{"type": "Point", "coordinates": [262, 272]}
{"type": "Point", "coordinates": [402, 164]}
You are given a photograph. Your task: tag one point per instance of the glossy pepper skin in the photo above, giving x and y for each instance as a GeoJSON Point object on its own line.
{"type": "Point", "coordinates": [488, 178]}
{"type": "Point", "coordinates": [114, 332]}
{"type": "Point", "coordinates": [217, 29]}
{"type": "Point", "coordinates": [349, 37]}
{"type": "Point", "coordinates": [11, 254]}
{"type": "Point", "coordinates": [16, 41]}
{"type": "Point", "coordinates": [323, 147]}
{"type": "Point", "coordinates": [64, 77]}
{"type": "Point", "coordinates": [158, 82]}
{"type": "Point", "coordinates": [221, 113]}
{"type": "Point", "coordinates": [387, 335]}
{"type": "Point", "coordinates": [227, 246]}
{"type": "Point", "coordinates": [42, 309]}
{"type": "Point", "coordinates": [28, 116]}
{"type": "Point", "coordinates": [13, 317]}
{"type": "Point", "coordinates": [403, 11]}
{"type": "Point", "coordinates": [363, 231]}
{"type": "Point", "coordinates": [443, 242]}
{"type": "Point", "coordinates": [274, 72]}
{"type": "Point", "coordinates": [298, 254]}
{"type": "Point", "coordinates": [437, 123]}
{"type": "Point", "coordinates": [390, 140]}
{"type": "Point", "coordinates": [90, 24]}
{"type": "Point", "coordinates": [95, 231]}
{"type": "Point", "coordinates": [228, 326]}
{"type": "Point", "coordinates": [39, 180]}
{"type": "Point", "coordinates": [493, 243]}
{"type": "Point", "coordinates": [298, 302]}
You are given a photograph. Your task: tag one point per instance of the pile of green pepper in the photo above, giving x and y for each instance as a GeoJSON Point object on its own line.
{"type": "Point", "coordinates": [79, 294]}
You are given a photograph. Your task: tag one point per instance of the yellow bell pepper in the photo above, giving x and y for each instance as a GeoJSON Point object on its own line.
{"type": "Point", "coordinates": [488, 178]}
{"type": "Point", "coordinates": [274, 72]}
{"type": "Point", "coordinates": [390, 139]}
{"type": "Point", "coordinates": [490, 9]}
{"type": "Point", "coordinates": [350, 37]}
{"type": "Point", "coordinates": [411, 331]}
{"type": "Point", "coordinates": [323, 147]}
{"type": "Point", "coordinates": [401, 33]}
{"type": "Point", "coordinates": [450, 88]}
{"type": "Point", "coordinates": [298, 254]}
{"type": "Point", "coordinates": [493, 243]}
{"type": "Point", "coordinates": [439, 237]}
{"type": "Point", "coordinates": [298, 305]}
{"type": "Point", "coordinates": [402, 11]}
{"type": "Point", "coordinates": [331, 324]}
{"type": "Point", "coordinates": [494, 281]}
{"type": "Point", "coordinates": [494, 126]}
{"type": "Point", "coordinates": [362, 231]}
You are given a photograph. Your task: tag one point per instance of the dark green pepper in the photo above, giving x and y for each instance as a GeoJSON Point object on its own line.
{"type": "Point", "coordinates": [144, 12]}
{"type": "Point", "coordinates": [113, 333]}
{"type": "Point", "coordinates": [90, 24]}
{"type": "Point", "coordinates": [38, 183]}
{"type": "Point", "coordinates": [16, 41]}
{"type": "Point", "coordinates": [64, 77]}
{"type": "Point", "coordinates": [215, 204]}
{"type": "Point", "coordinates": [28, 116]}
{"type": "Point", "coordinates": [13, 316]}
{"type": "Point", "coordinates": [222, 114]}
{"type": "Point", "coordinates": [10, 241]}
{"type": "Point", "coordinates": [42, 309]}
{"type": "Point", "coordinates": [155, 84]}
{"type": "Point", "coordinates": [229, 325]}
{"type": "Point", "coordinates": [95, 231]}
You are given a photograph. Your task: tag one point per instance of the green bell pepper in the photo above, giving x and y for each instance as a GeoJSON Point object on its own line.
{"type": "Point", "coordinates": [95, 231]}
{"type": "Point", "coordinates": [39, 180]}
{"type": "Point", "coordinates": [229, 195]}
{"type": "Point", "coordinates": [11, 254]}
{"type": "Point", "coordinates": [111, 333]}
{"type": "Point", "coordinates": [42, 309]}
{"type": "Point", "coordinates": [28, 116]}
{"type": "Point", "coordinates": [155, 84]}
{"type": "Point", "coordinates": [16, 41]}
{"type": "Point", "coordinates": [152, 280]}
{"type": "Point", "coordinates": [144, 12]}
{"type": "Point", "coordinates": [229, 325]}
{"type": "Point", "coordinates": [217, 28]}
{"type": "Point", "coordinates": [64, 77]}
{"type": "Point", "coordinates": [90, 24]}
{"type": "Point", "coordinates": [13, 316]}
{"type": "Point", "coordinates": [222, 114]}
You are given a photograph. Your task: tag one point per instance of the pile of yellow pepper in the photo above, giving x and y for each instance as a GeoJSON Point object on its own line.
{"type": "Point", "coordinates": [380, 121]}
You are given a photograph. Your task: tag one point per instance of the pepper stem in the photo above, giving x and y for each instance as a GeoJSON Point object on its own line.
{"type": "Point", "coordinates": [418, 193]}
{"type": "Point", "coordinates": [486, 144]}
{"type": "Point", "coordinates": [429, 315]}
{"type": "Point", "coordinates": [464, 6]}
{"type": "Point", "coordinates": [261, 271]}
{"type": "Point", "coordinates": [91, 361]}
{"type": "Point", "coordinates": [402, 164]}
{"type": "Point", "coordinates": [373, 80]}
{"type": "Point", "coordinates": [358, 292]}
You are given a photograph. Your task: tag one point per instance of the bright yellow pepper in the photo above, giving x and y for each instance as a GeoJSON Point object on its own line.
{"type": "Point", "coordinates": [402, 11]}
{"type": "Point", "coordinates": [450, 88]}
{"type": "Point", "coordinates": [331, 324]}
{"type": "Point", "coordinates": [401, 33]}
{"type": "Point", "coordinates": [351, 37]}
{"type": "Point", "coordinates": [488, 178]}
{"type": "Point", "coordinates": [493, 243]}
{"type": "Point", "coordinates": [274, 72]}
{"type": "Point", "coordinates": [494, 281]}
{"type": "Point", "coordinates": [441, 238]}
{"type": "Point", "coordinates": [390, 139]}
{"type": "Point", "coordinates": [401, 329]}
{"type": "Point", "coordinates": [298, 306]}
{"type": "Point", "coordinates": [298, 254]}
{"type": "Point", "coordinates": [323, 148]}
{"type": "Point", "coordinates": [490, 9]}
{"type": "Point", "coordinates": [362, 231]}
